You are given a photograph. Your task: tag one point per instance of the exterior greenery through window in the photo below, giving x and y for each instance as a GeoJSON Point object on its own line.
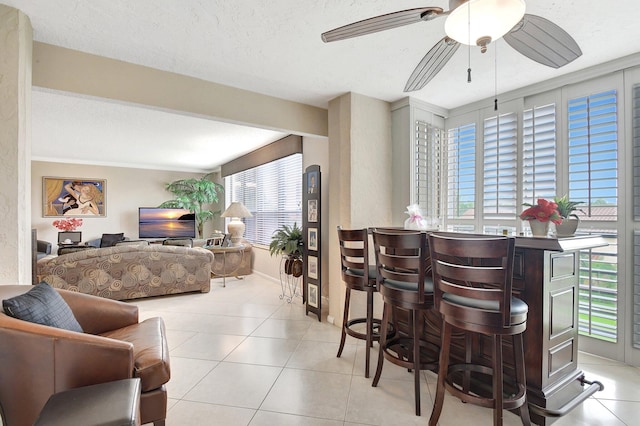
{"type": "Point", "coordinates": [520, 165]}
{"type": "Point", "coordinates": [272, 192]}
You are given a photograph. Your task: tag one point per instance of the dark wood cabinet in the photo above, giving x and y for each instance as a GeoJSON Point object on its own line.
{"type": "Point", "coordinates": [546, 277]}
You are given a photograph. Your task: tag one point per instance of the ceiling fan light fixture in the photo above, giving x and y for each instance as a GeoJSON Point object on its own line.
{"type": "Point", "coordinates": [476, 20]}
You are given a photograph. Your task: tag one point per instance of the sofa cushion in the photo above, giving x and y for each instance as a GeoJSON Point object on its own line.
{"type": "Point", "coordinates": [109, 240]}
{"type": "Point", "coordinates": [150, 351]}
{"type": "Point", "coordinates": [42, 305]}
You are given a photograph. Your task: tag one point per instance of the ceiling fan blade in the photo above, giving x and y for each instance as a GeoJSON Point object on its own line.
{"type": "Point", "coordinates": [431, 64]}
{"type": "Point", "coordinates": [382, 22]}
{"type": "Point", "coordinates": [543, 41]}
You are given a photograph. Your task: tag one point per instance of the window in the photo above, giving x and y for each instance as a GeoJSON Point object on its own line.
{"type": "Point", "coordinates": [593, 179]}
{"type": "Point", "coordinates": [539, 153]}
{"type": "Point", "coordinates": [427, 167]}
{"type": "Point", "coordinates": [500, 166]}
{"type": "Point", "coordinates": [461, 172]}
{"type": "Point", "coordinates": [272, 192]}
{"type": "Point", "coordinates": [519, 168]}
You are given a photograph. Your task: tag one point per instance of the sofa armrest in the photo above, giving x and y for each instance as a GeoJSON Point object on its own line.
{"type": "Point", "coordinates": [98, 315]}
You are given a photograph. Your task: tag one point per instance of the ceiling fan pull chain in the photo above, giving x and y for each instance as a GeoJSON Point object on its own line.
{"type": "Point", "coordinates": [495, 55]}
{"type": "Point", "coordinates": [469, 45]}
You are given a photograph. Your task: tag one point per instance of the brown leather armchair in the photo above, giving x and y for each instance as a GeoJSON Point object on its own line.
{"type": "Point", "coordinates": [37, 361]}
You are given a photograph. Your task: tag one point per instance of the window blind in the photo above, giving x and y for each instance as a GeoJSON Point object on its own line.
{"type": "Point", "coordinates": [427, 157]}
{"type": "Point", "coordinates": [272, 192]}
{"type": "Point", "coordinates": [593, 154]}
{"type": "Point", "coordinates": [593, 179]}
{"type": "Point", "coordinates": [636, 289]}
{"type": "Point", "coordinates": [598, 291]}
{"type": "Point", "coordinates": [539, 153]}
{"type": "Point", "coordinates": [461, 172]}
{"type": "Point", "coordinates": [636, 152]}
{"type": "Point", "coordinates": [500, 166]}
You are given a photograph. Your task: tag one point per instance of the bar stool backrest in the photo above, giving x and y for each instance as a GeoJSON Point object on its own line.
{"type": "Point", "coordinates": [354, 257]}
{"type": "Point", "coordinates": [402, 257]}
{"type": "Point", "coordinates": [472, 277]}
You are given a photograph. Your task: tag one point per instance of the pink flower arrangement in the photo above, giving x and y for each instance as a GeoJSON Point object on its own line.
{"type": "Point", "coordinates": [68, 224]}
{"type": "Point", "coordinates": [544, 211]}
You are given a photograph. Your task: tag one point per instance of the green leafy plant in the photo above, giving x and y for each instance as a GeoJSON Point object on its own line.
{"type": "Point", "coordinates": [286, 240]}
{"type": "Point", "coordinates": [566, 207]}
{"type": "Point", "coordinates": [195, 194]}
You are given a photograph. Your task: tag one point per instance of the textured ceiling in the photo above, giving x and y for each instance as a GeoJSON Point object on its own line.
{"type": "Point", "coordinates": [274, 47]}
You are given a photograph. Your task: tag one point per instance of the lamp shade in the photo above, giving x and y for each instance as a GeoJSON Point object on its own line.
{"type": "Point", "coordinates": [483, 21]}
{"type": "Point", "coordinates": [236, 209]}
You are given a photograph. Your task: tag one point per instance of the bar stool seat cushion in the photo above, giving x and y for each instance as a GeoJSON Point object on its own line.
{"type": "Point", "coordinates": [373, 273]}
{"type": "Point", "coordinates": [518, 307]}
{"type": "Point", "coordinates": [406, 286]}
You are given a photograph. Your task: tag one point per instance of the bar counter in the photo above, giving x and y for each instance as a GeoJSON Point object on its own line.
{"type": "Point", "coordinates": [546, 277]}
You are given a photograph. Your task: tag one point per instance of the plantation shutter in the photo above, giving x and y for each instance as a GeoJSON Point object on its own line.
{"type": "Point", "coordinates": [593, 180]}
{"type": "Point", "coordinates": [636, 289]}
{"type": "Point", "coordinates": [272, 192]}
{"type": "Point", "coordinates": [428, 145]}
{"type": "Point", "coordinates": [539, 153]}
{"type": "Point", "coordinates": [461, 172]}
{"type": "Point", "coordinates": [636, 153]}
{"type": "Point", "coordinates": [593, 154]}
{"type": "Point", "coordinates": [500, 166]}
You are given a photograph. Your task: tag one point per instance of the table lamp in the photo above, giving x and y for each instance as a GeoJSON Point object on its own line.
{"type": "Point", "coordinates": [235, 211]}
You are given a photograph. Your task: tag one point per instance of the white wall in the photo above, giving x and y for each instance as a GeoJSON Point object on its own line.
{"type": "Point", "coordinates": [126, 190]}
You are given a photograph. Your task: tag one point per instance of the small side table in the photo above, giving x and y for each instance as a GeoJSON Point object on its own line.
{"type": "Point", "coordinates": [232, 258]}
{"type": "Point", "coordinates": [110, 403]}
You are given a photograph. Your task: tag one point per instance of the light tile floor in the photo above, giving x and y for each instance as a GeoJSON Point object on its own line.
{"type": "Point", "coordinates": [242, 356]}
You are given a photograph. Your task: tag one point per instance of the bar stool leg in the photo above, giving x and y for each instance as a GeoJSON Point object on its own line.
{"type": "Point", "coordinates": [383, 342]}
{"type": "Point", "coordinates": [442, 373]}
{"type": "Point", "coordinates": [345, 319]}
{"type": "Point", "coordinates": [417, 331]}
{"type": "Point", "coordinates": [369, 331]}
{"type": "Point", "coordinates": [521, 376]}
{"type": "Point", "coordinates": [497, 380]}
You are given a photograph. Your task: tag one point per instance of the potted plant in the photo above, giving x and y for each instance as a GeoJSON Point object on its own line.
{"type": "Point", "coordinates": [287, 241]}
{"type": "Point", "coordinates": [570, 220]}
{"type": "Point", "coordinates": [193, 194]}
{"type": "Point", "coordinates": [539, 215]}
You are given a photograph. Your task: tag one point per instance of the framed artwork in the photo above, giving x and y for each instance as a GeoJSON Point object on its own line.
{"type": "Point", "coordinates": [312, 182]}
{"type": "Point", "coordinates": [312, 239]}
{"type": "Point", "coordinates": [312, 210]}
{"type": "Point", "coordinates": [313, 267]}
{"type": "Point", "coordinates": [313, 295]}
{"type": "Point", "coordinates": [65, 196]}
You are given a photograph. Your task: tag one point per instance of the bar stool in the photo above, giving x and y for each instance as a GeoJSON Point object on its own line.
{"type": "Point", "coordinates": [472, 276]}
{"type": "Point", "coordinates": [358, 275]}
{"type": "Point", "coordinates": [404, 281]}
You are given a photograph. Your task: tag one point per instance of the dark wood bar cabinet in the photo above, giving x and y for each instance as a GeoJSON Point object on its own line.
{"type": "Point", "coordinates": [546, 277]}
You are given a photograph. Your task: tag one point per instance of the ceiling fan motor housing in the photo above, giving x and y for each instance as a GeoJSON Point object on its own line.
{"type": "Point", "coordinates": [482, 21]}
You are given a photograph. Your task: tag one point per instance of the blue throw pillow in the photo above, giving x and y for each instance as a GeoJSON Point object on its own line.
{"type": "Point", "coordinates": [42, 305]}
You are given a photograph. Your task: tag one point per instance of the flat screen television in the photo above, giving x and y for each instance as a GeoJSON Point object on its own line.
{"type": "Point", "coordinates": [155, 222]}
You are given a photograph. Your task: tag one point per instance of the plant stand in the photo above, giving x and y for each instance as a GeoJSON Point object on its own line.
{"type": "Point", "coordinates": [288, 282]}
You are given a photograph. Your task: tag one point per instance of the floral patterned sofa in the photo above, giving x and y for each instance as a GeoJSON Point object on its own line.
{"type": "Point", "coordinates": [126, 272]}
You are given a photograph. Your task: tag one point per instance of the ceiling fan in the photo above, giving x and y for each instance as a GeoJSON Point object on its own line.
{"type": "Point", "coordinates": [472, 22]}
